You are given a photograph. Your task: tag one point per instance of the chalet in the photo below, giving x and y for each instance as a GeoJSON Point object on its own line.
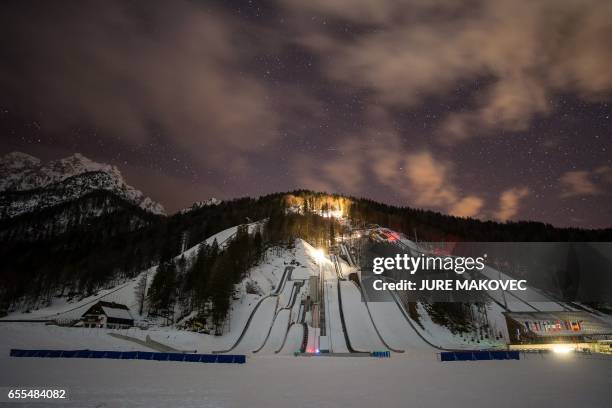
{"type": "Point", "coordinates": [110, 315]}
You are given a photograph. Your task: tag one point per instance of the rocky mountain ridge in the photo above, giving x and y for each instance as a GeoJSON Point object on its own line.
{"type": "Point", "coordinates": [27, 184]}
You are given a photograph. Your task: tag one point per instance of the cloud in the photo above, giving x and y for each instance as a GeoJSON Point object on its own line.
{"type": "Point", "coordinates": [336, 174]}
{"type": "Point", "coordinates": [169, 70]}
{"type": "Point", "coordinates": [467, 207]}
{"type": "Point", "coordinates": [430, 185]}
{"type": "Point", "coordinates": [509, 202]}
{"type": "Point", "coordinates": [522, 54]}
{"type": "Point", "coordinates": [585, 182]}
{"type": "Point", "coordinates": [604, 173]}
{"type": "Point", "coordinates": [189, 78]}
{"type": "Point", "coordinates": [576, 183]}
{"type": "Point", "coordinates": [418, 178]}
{"type": "Point", "coordinates": [428, 180]}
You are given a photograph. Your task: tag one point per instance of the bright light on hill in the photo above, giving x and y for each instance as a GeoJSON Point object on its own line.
{"type": "Point", "coordinates": [319, 255]}
{"type": "Point", "coordinates": [332, 214]}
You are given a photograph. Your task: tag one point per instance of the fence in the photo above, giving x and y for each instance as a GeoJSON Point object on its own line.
{"type": "Point", "coordinates": [478, 355]}
{"type": "Point", "coordinates": [133, 355]}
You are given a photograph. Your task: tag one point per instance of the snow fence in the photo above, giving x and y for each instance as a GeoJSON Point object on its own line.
{"type": "Point", "coordinates": [132, 355]}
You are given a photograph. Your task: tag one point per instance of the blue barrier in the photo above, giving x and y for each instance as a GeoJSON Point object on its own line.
{"type": "Point", "coordinates": [132, 355]}
{"type": "Point", "coordinates": [225, 358]}
{"type": "Point", "coordinates": [193, 358]}
{"type": "Point", "coordinates": [479, 355]}
{"type": "Point", "coordinates": [115, 355]}
{"type": "Point", "coordinates": [160, 356]}
{"type": "Point", "coordinates": [176, 357]}
{"type": "Point", "coordinates": [210, 358]}
{"type": "Point", "coordinates": [381, 354]}
{"type": "Point", "coordinates": [144, 355]}
{"type": "Point", "coordinates": [68, 354]}
{"type": "Point", "coordinates": [129, 355]}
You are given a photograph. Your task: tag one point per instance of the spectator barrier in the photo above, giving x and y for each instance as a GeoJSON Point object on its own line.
{"type": "Point", "coordinates": [478, 355]}
{"type": "Point", "coordinates": [133, 355]}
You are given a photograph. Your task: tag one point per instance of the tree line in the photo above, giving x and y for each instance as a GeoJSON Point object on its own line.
{"type": "Point", "coordinates": [41, 260]}
{"type": "Point", "coordinates": [203, 287]}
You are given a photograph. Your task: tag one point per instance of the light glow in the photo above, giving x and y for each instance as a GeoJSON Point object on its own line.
{"type": "Point", "coordinates": [332, 214]}
{"type": "Point", "coordinates": [319, 255]}
{"type": "Point", "coordinates": [562, 348]}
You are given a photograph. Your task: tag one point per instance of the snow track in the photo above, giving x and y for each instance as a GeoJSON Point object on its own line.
{"type": "Point", "coordinates": [276, 333]}
{"type": "Point", "coordinates": [255, 330]}
{"type": "Point", "coordinates": [293, 340]}
{"type": "Point", "coordinates": [359, 327]}
{"type": "Point", "coordinates": [513, 302]}
{"type": "Point", "coordinates": [282, 320]}
{"type": "Point", "coordinates": [408, 320]}
{"type": "Point", "coordinates": [364, 299]}
{"type": "Point", "coordinates": [335, 332]}
{"type": "Point", "coordinates": [261, 320]}
{"type": "Point", "coordinates": [378, 332]}
{"type": "Point", "coordinates": [396, 330]}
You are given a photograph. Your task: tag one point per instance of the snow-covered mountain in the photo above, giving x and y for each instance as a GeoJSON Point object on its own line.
{"type": "Point", "coordinates": [27, 184]}
{"type": "Point", "coordinates": [200, 204]}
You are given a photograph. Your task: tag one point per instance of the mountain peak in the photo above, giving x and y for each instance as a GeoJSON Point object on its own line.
{"type": "Point", "coordinates": [64, 179]}
{"type": "Point", "coordinates": [18, 160]}
{"type": "Point", "coordinates": [199, 204]}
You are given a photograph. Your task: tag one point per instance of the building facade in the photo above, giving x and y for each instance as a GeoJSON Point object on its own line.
{"type": "Point", "coordinates": [109, 315]}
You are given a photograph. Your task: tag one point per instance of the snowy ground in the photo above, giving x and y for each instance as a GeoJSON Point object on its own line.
{"type": "Point", "coordinates": [387, 317]}
{"type": "Point", "coordinates": [41, 336]}
{"type": "Point", "coordinates": [551, 381]}
{"type": "Point", "coordinates": [266, 276]}
{"type": "Point", "coordinates": [305, 261]}
{"type": "Point", "coordinates": [413, 378]}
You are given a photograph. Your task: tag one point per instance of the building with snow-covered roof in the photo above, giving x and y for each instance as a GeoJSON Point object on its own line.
{"type": "Point", "coordinates": [109, 315]}
{"type": "Point", "coordinates": [547, 327]}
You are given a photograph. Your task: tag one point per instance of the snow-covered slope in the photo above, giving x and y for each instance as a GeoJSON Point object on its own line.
{"type": "Point", "coordinates": [266, 276]}
{"type": "Point", "coordinates": [27, 184]}
{"type": "Point", "coordinates": [267, 320]}
{"type": "Point", "coordinates": [123, 293]}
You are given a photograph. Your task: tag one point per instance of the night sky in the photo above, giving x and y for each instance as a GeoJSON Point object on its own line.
{"type": "Point", "coordinates": [492, 109]}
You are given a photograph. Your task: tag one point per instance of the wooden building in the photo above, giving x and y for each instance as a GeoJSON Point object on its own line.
{"type": "Point", "coordinates": [109, 315]}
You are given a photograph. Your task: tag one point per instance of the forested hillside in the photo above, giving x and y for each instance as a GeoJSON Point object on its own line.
{"type": "Point", "coordinates": [39, 262]}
